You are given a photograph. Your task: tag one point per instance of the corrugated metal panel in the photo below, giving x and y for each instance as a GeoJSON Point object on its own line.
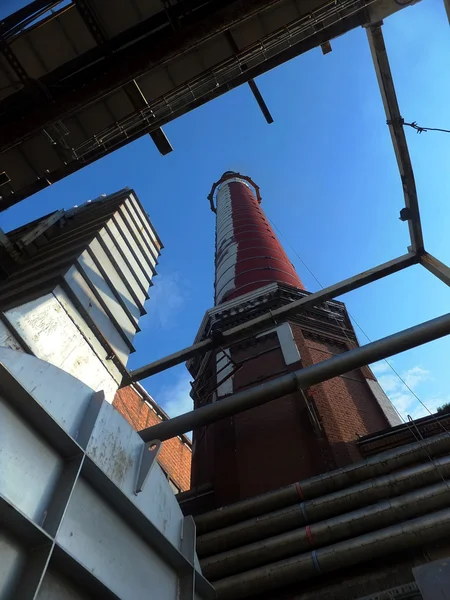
{"type": "Point", "coordinates": [107, 295]}
{"type": "Point", "coordinates": [153, 250]}
{"type": "Point", "coordinates": [116, 279]}
{"type": "Point", "coordinates": [140, 272]}
{"type": "Point", "coordinates": [137, 243]}
{"type": "Point", "coordinates": [96, 312]}
{"type": "Point", "coordinates": [122, 265]}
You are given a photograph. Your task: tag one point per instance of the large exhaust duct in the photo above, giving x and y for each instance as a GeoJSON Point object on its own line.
{"type": "Point", "coordinates": [379, 464]}
{"type": "Point", "coordinates": [332, 530]}
{"type": "Point", "coordinates": [409, 534]}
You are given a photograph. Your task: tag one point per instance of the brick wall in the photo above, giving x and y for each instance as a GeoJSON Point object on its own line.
{"type": "Point", "coordinates": [293, 437]}
{"type": "Point", "coordinates": [141, 411]}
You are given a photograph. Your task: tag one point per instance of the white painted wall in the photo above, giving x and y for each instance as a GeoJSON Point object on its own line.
{"type": "Point", "coordinates": [51, 334]}
{"type": "Point", "coordinates": [384, 402]}
{"type": "Point", "coordinates": [288, 346]}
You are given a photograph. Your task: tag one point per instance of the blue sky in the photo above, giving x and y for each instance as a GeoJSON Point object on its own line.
{"type": "Point", "coordinates": [329, 181]}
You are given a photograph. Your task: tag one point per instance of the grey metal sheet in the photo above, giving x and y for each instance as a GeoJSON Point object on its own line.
{"type": "Point", "coordinates": [12, 561]}
{"type": "Point", "coordinates": [94, 118]}
{"type": "Point", "coordinates": [59, 51]}
{"type": "Point", "coordinates": [115, 16]}
{"type": "Point", "coordinates": [9, 81]}
{"type": "Point", "coordinates": [120, 104]}
{"type": "Point", "coordinates": [433, 579]}
{"type": "Point", "coordinates": [96, 312]}
{"type": "Point", "coordinates": [29, 467]}
{"type": "Point", "coordinates": [28, 58]}
{"type": "Point", "coordinates": [122, 265]}
{"type": "Point", "coordinates": [107, 295]}
{"type": "Point", "coordinates": [147, 8]}
{"type": "Point", "coordinates": [156, 84]}
{"type": "Point", "coordinates": [215, 51]}
{"type": "Point", "coordinates": [93, 534]}
{"type": "Point", "coordinates": [76, 30]}
{"type": "Point", "coordinates": [17, 169]}
{"type": "Point", "coordinates": [116, 279]}
{"type": "Point", "coordinates": [184, 68]}
{"type": "Point", "coordinates": [57, 587]}
{"type": "Point", "coordinates": [277, 17]}
{"type": "Point", "coordinates": [41, 154]}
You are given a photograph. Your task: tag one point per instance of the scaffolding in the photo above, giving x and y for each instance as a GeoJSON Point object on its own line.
{"type": "Point", "coordinates": [335, 366]}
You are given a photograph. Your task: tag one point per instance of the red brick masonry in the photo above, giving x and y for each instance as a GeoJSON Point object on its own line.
{"type": "Point", "coordinates": [141, 411]}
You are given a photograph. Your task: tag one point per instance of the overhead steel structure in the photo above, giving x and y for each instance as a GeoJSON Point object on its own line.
{"type": "Point", "coordinates": [81, 78]}
{"type": "Point", "coordinates": [342, 363]}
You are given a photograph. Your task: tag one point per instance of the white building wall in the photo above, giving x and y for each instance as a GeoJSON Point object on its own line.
{"type": "Point", "coordinates": [385, 404]}
{"type": "Point", "coordinates": [51, 335]}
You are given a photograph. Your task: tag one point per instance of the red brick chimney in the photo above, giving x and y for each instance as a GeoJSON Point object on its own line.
{"type": "Point", "coordinates": [296, 436]}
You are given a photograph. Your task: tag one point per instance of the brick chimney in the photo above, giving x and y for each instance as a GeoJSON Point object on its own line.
{"type": "Point", "coordinates": [295, 436]}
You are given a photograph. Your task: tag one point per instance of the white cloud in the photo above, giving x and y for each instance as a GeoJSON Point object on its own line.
{"type": "Point", "coordinates": [380, 367]}
{"type": "Point", "coordinates": [415, 376]}
{"type": "Point", "coordinates": [174, 398]}
{"type": "Point", "coordinates": [402, 398]}
{"type": "Point", "coordinates": [167, 300]}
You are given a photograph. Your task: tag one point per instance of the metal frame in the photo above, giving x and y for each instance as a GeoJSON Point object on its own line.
{"type": "Point", "coordinates": [351, 359]}
{"type": "Point", "coordinates": [79, 464]}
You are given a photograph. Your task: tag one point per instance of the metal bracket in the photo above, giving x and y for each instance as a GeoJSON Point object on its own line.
{"type": "Point", "coordinates": [149, 455]}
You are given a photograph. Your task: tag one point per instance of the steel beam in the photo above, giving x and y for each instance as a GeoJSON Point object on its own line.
{"type": "Point", "coordinates": [280, 314]}
{"type": "Point", "coordinates": [447, 9]}
{"type": "Point", "coordinates": [128, 63]}
{"type": "Point", "coordinates": [395, 122]}
{"type": "Point", "coordinates": [301, 379]}
{"type": "Point", "coordinates": [435, 266]}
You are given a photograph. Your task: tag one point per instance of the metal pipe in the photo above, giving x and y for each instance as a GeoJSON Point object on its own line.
{"type": "Point", "coordinates": [395, 122]}
{"type": "Point", "coordinates": [257, 324]}
{"type": "Point", "coordinates": [341, 527]}
{"type": "Point", "coordinates": [326, 483]}
{"type": "Point", "coordinates": [301, 379]}
{"type": "Point", "coordinates": [435, 266]}
{"type": "Point", "coordinates": [410, 534]}
{"type": "Point", "coordinates": [324, 507]}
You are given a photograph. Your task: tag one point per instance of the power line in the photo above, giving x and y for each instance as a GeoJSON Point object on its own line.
{"type": "Point", "coordinates": [360, 328]}
{"type": "Point", "coordinates": [424, 129]}
{"type": "Point", "coordinates": [409, 422]}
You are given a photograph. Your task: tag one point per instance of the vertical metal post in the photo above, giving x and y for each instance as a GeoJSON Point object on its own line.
{"type": "Point", "coordinates": [395, 122]}
{"type": "Point", "coordinates": [186, 580]}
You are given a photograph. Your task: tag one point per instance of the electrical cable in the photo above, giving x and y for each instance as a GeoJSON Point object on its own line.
{"type": "Point", "coordinates": [409, 422]}
{"type": "Point", "coordinates": [365, 334]}
{"type": "Point", "coordinates": [424, 129]}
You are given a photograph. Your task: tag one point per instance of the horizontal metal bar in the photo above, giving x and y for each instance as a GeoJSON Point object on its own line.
{"type": "Point", "coordinates": [395, 122]}
{"type": "Point", "coordinates": [259, 323]}
{"type": "Point", "coordinates": [435, 266]}
{"type": "Point", "coordinates": [301, 379]}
